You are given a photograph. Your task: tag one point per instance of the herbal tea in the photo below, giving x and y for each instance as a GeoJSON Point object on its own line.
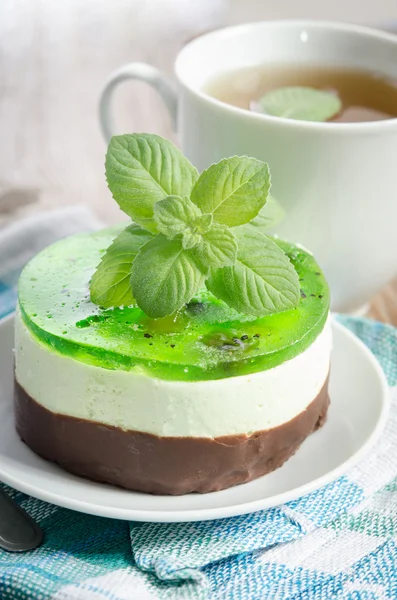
{"type": "Point", "coordinates": [291, 91]}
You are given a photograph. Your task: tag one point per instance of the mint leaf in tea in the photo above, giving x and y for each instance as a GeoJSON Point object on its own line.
{"type": "Point", "coordinates": [308, 93]}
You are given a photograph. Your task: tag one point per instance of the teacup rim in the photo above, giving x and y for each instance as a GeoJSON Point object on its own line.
{"type": "Point", "coordinates": [331, 127]}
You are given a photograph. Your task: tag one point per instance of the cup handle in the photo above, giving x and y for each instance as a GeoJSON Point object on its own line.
{"type": "Point", "coordinates": [142, 72]}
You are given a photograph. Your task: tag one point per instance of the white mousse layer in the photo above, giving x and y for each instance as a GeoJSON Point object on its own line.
{"type": "Point", "coordinates": [132, 400]}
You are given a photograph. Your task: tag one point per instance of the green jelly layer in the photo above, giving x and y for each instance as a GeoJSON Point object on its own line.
{"type": "Point", "coordinates": [206, 340]}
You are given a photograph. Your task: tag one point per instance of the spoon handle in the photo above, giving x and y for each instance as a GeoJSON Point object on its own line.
{"type": "Point", "coordinates": [18, 531]}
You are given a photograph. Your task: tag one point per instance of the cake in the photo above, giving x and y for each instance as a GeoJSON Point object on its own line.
{"type": "Point", "coordinates": [196, 401]}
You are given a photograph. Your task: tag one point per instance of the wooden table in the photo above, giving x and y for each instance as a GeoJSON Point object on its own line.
{"type": "Point", "coordinates": [55, 56]}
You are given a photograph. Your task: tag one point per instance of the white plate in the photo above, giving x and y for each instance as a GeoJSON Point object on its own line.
{"type": "Point", "coordinates": [358, 412]}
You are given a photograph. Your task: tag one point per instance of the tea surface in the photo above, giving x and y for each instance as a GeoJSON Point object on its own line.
{"type": "Point", "coordinates": [365, 95]}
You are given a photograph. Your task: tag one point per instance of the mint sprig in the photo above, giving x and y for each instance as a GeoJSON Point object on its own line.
{"type": "Point", "coordinates": [191, 231]}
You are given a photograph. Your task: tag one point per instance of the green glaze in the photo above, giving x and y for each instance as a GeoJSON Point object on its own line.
{"type": "Point", "coordinates": [206, 340]}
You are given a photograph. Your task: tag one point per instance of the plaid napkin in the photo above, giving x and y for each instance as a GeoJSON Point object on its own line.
{"type": "Point", "coordinates": [338, 542]}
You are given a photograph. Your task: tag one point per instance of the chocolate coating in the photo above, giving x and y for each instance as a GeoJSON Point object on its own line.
{"type": "Point", "coordinates": [161, 465]}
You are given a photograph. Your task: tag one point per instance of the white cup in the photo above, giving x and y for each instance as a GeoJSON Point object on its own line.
{"type": "Point", "coordinates": [336, 181]}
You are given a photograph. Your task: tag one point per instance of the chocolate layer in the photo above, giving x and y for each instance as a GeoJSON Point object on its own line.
{"type": "Point", "coordinates": [161, 465]}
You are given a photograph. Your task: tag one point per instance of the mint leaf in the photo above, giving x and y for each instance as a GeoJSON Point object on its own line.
{"type": "Point", "coordinates": [110, 284]}
{"type": "Point", "coordinates": [218, 247]}
{"type": "Point", "coordinates": [190, 240]}
{"type": "Point", "coordinates": [233, 190]}
{"type": "Point", "coordinates": [175, 215]}
{"type": "Point", "coordinates": [141, 169]}
{"type": "Point", "coordinates": [203, 224]}
{"type": "Point", "coordinates": [165, 277]}
{"type": "Point", "coordinates": [262, 281]}
{"type": "Point", "coordinates": [301, 103]}
{"type": "Point", "coordinates": [270, 215]}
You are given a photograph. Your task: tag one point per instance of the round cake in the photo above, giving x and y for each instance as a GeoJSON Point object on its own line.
{"type": "Point", "coordinates": [196, 402]}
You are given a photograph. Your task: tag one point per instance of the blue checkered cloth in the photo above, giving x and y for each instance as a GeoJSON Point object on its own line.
{"type": "Point", "coordinates": [8, 297]}
{"type": "Point", "coordinates": [338, 542]}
